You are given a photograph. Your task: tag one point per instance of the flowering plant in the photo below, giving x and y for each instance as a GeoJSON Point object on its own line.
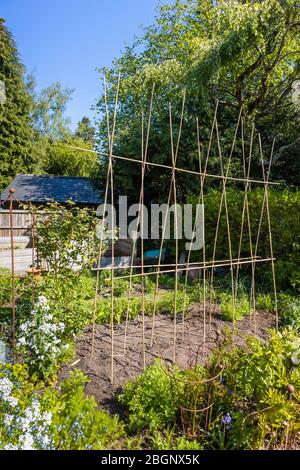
{"type": "Point", "coordinates": [23, 424]}
{"type": "Point", "coordinates": [38, 418]}
{"type": "Point", "coordinates": [39, 341]}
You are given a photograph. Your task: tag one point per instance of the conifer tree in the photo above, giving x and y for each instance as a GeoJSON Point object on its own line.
{"type": "Point", "coordinates": [16, 133]}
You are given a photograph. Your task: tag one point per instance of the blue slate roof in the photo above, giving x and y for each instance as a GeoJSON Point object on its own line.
{"type": "Point", "coordinates": [44, 188]}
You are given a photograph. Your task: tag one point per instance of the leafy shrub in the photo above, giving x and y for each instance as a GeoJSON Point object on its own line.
{"type": "Point", "coordinates": [76, 422]}
{"type": "Point", "coordinates": [264, 302]}
{"type": "Point", "coordinates": [85, 285]}
{"type": "Point", "coordinates": [182, 443]}
{"type": "Point", "coordinates": [121, 286]}
{"type": "Point", "coordinates": [6, 285]}
{"type": "Point", "coordinates": [234, 310]}
{"type": "Point", "coordinates": [257, 397]}
{"type": "Point", "coordinates": [295, 280]}
{"type": "Point", "coordinates": [65, 237]}
{"type": "Point", "coordinates": [33, 418]}
{"type": "Point", "coordinates": [153, 398]}
{"type": "Point", "coordinates": [150, 284]}
{"type": "Point", "coordinates": [169, 441]}
{"type": "Point", "coordinates": [164, 304]}
{"type": "Point", "coordinates": [69, 298]}
{"type": "Point", "coordinates": [289, 310]}
{"type": "Point", "coordinates": [197, 292]}
{"type": "Point", "coordinates": [284, 211]}
{"type": "Point", "coordinates": [23, 423]}
{"type": "Point", "coordinates": [39, 340]}
{"type": "Point", "coordinates": [166, 281]}
{"type": "Point", "coordinates": [241, 399]}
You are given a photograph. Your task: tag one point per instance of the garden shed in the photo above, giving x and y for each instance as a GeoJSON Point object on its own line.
{"type": "Point", "coordinates": [40, 190]}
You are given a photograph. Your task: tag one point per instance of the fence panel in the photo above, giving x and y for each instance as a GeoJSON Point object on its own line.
{"type": "Point", "coordinates": [21, 222]}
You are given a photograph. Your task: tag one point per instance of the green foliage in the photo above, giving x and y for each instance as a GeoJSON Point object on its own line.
{"type": "Point", "coordinates": [58, 419]}
{"type": "Point", "coordinates": [264, 302]}
{"type": "Point", "coordinates": [169, 441]}
{"type": "Point", "coordinates": [70, 300]}
{"type": "Point", "coordinates": [23, 424]}
{"type": "Point", "coordinates": [64, 158]}
{"type": "Point", "coordinates": [285, 223]}
{"type": "Point", "coordinates": [6, 285]}
{"type": "Point", "coordinates": [85, 130]}
{"type": "Point", "coordinates": [166, 281]}
{"type": "Point", "coordinates": [289, 310]}
{"type": "Point", "coordinates": [288, 307]}
{"type": "Point", "coordinates": [39, 340]}
{"type": "Point", "coordinates": [59, 150]}
{"type": "Point", "coordinates": [150, 284]}
{"type": "Point", "coordinates": [197, 292]}
{"type": "Point", "coordinates": [16, 135]}
{"type": "Point", "coordinates": [152, 399]}
{"type": "Point", "coordinates": [234, 309]}
{"type": "Point", "coordinates": [49, 109]}
{"type": "Point", "coordinates": [295, 280]}
{"type": "Point", "coordinates": [164, 304]}
{"type": "Point", "coordinates": [76, 422]}
{"type": "Point", "coordinates": [66, 238]}
{"type": "Point", "coordinates": [121, 286]}
{"type": "Point", "coordinates": [260, 377]}
{"type": "Point", "coordinates": [241, 399]}
{"type": "Point", "coordinates": [243, 54]}
{"type": "Point", "coordinates": [182, 443]}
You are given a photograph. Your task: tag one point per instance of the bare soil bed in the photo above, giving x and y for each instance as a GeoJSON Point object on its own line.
{"type": "Point", "coordinates": [189, 347]}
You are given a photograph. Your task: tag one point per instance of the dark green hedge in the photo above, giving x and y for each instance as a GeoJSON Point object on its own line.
{"type": "Point", "coordinates": [285, 223]}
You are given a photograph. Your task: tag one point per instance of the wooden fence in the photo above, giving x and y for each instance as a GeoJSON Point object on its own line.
{"type": "Point", "coordinates": [22, 221]}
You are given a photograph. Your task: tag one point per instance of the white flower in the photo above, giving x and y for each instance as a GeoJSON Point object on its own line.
{"type": "Point", "coordinates": [10, 447]}
{"type": "Point", "coordinates": [31, 425]}
{"type": "Point", "coordinates": [6, 387]}
{"type": "Point", "coordinates": [26, 441]}
{"type": "Point", "coordinates": [40, 335]}
{"type": "Point", "coordinates": [45, 328]}
{"type": "Point", "coordinates": [35, 405]}
{"type": "Point", "coordinates": [8, 420]}
{"type": "Point", "coordinates": [22, 341]}
{"type": "Point", "coordinates": [28, 414]}
{"type": "Point", "coordinates": [47, 417]}
{"type": "Point", "coordinates": [13, 401]}
{"type": "Point", "coordinates": [46, 441]}
{"type": "Point", "coordinates": [42, 300]}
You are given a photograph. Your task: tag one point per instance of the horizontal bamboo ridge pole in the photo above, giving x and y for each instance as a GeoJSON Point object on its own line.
{"type": "Point", "coordinates": [183, 170]}
{"type": "Point", "coordinates": [206, 266]}
{"type": "Point", "coordinates": [194, 264]}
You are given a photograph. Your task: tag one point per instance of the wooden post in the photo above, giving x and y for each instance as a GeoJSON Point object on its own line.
{"type": "Point", "coordinates": [13, 286]}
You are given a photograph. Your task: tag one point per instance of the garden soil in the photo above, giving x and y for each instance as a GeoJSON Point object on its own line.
{"type": "Point", "coordinates": [190, 348]}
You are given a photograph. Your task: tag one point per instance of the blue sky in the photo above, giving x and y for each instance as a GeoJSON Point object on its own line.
{"type": "Point", "coordinates": [65, 40]}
